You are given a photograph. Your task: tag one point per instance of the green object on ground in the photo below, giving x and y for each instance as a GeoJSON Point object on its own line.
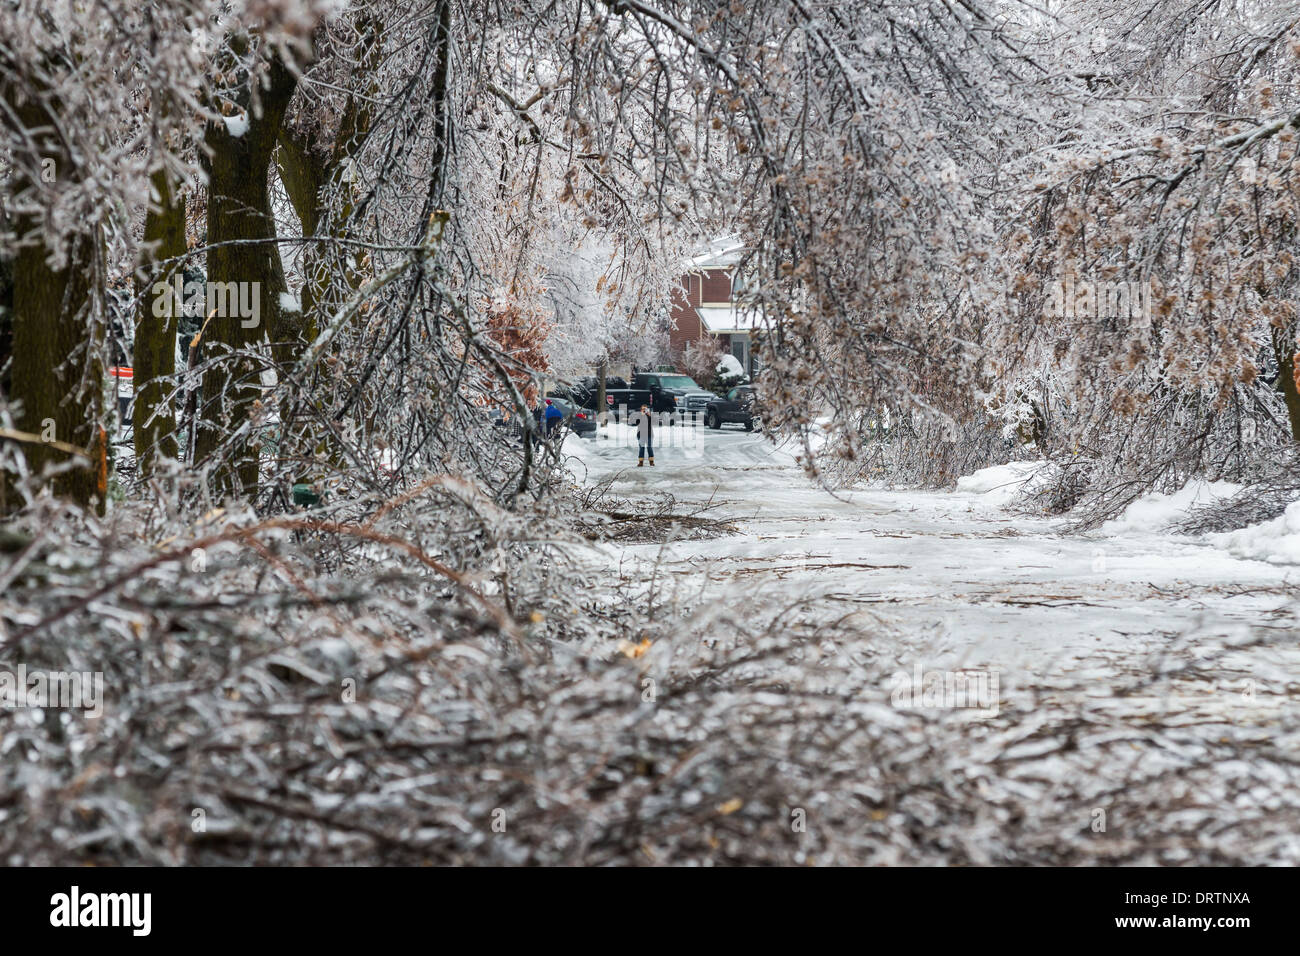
{"type": "Point", "coordinates": [303, 495]}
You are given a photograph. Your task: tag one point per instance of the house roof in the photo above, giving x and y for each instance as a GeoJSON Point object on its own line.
{"type": "Point", "coordinates": [722, 252]}
{"type": "Point", "coordinates": [721, 319]}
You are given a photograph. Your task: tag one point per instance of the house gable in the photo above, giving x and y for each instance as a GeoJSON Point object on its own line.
{"type": "Point", "coordinates": [701, 287]}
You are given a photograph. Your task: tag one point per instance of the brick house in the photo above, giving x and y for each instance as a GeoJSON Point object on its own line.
{"type": "Point", "coordinates": [704, 304]}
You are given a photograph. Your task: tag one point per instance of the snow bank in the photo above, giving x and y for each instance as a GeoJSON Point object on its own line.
{"type": "Point", "coordinates": [1156, 511]}
{"type": "Point", "coordinates": [1276, 541]}
{"type": "Point", "coordinates": [236, 126]}
{"type": "Point", "coordinates": [1001, 483]}
{"type": "Point", "coordinates": [818, 433]}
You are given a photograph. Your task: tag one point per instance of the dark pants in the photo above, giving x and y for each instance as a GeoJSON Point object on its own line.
{"type": "Point", "coordinates": [646, 448]}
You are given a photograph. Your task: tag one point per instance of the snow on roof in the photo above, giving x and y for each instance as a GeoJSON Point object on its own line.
{"type": "Point", "coordinates": [723, 251]}
{"type": "Point", "coordinates": [720, 319]}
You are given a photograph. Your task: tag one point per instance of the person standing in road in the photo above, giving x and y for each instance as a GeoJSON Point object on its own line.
{"type": "Point", "coordinates": [645, 433]}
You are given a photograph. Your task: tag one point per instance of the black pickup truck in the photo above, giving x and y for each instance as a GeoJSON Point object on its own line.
{"type": "Point", "coordinates": [665, 392]}
{"type": "Point", "coordinates": [738, 406]}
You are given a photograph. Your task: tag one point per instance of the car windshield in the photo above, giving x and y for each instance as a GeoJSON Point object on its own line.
{"type": "Point", "coordinates": [677, 381]}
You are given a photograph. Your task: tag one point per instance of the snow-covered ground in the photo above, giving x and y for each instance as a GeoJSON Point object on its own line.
{"type": "Point", "coordinates": [959, 580]}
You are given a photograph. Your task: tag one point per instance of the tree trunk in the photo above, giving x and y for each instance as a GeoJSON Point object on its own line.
{"type": "Point", "coordinates": [154, 351]}
{"type": "Point", "coordinates": [1288, 383]}
{"type": "Point", "coordinates": [315, 164]}
{"type": "Point", "coordinates": [304, 175]}
{"type": "Point", "coordinates": [6, 308]}
{"type": "Point", "coordinates": [239, 209]}
{"type": "Point", "coordinates": [57, 372]}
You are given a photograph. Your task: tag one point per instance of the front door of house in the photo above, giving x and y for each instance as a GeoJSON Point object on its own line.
{"type": "Point", "coordinates": [740, 349]}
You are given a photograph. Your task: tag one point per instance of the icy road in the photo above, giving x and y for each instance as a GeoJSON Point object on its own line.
{"type": "Point", "coordinates": [958, 580]}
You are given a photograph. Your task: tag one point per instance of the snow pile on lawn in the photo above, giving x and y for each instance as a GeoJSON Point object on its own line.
{"type": "Point", "coordinates": [1276, 541]}
{"type": "Point", "coordinates": [1002, 483]}
{"type": "Point", "coordinates": [1155, 512]}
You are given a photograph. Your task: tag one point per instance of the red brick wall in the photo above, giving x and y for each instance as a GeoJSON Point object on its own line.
{"type": "Point", "coordinates": [686, 321]}
{"type": "Point", "coordinates": [713, 285]}
{"type": "Point", "coordinates": [717, 286]}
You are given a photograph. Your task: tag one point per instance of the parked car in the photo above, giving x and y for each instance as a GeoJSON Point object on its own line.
{"type": "Point", "coordinates": [580, 420]}
{"type": "Point", "coordinates": [737, 407]}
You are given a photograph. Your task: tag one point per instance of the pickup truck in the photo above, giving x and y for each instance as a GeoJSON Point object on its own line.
{"type": "Point", "coordinates": [665, 392]}
{"type": "Point", "coordinates": [738, 406]}
{"type": "Point", "coordinates": [674, 393]}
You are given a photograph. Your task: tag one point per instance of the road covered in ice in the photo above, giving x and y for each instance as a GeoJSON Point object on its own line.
{"type": "Point", "coordinates": [998, 687]}
{"type": "Point", "coordinates": [959, 581]}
